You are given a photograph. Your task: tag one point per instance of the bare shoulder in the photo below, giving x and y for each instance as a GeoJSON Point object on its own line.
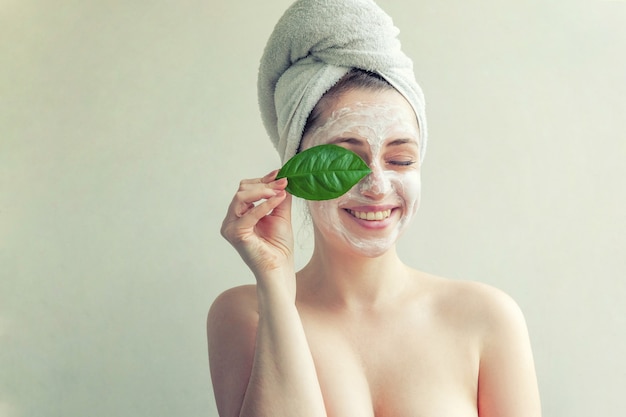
{"type": "Point", "coordinates": [231, 334]}
{"type": "Point", "coordinates": [475, 303]}
{"type": "Point", "coordinates": [492, 322]}
{"type": "Point", "coordinates": [485, 299]}
{"type": "Point", "coordinates": [507, 381]}
{"type": "Point", "coordinates": [234, 307]}
{"type": "Point", "coordinates": [241, 297]}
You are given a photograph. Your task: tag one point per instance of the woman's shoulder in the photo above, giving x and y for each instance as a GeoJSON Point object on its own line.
{"type": "Point", "coordinates": [236, 306]}
{"type": "Point", "coordinates": [231, 336]}
{"type": "Point", "coordinates": [240, 299]}
{"type": "Point", "coordinates": [474, 303]}
{"type": "Point", "coordinates": [476, 294]}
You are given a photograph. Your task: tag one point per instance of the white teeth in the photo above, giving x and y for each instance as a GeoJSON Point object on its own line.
{"type": "Point", "coordinates": [371, 215]}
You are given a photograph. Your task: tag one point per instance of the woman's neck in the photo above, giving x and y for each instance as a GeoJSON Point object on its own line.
{"type": "Point", "coordinates": [348, 280]}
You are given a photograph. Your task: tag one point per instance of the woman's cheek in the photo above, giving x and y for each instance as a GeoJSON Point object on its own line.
{"type": "Point", "coordinates": [408, 187]}
{"type": "Point", "coordinates": [322, 213]}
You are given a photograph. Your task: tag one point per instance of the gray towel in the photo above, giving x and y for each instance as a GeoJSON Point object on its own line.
{"type": "Point", "coordinates": [314, 44]}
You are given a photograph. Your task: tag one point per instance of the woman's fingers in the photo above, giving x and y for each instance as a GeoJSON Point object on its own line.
{"type": "Point", "coordinates": [252, 191]}
{"type": "Point", "coordinates": [238, 229]}
{"type": "Point", "coordinates": [255, 199]}
{"type": "Point", "coordinates": [256, 213]}
{"type": "Point", "coordinates": [252, 194]}
{"type": "Point", "coordinates": [284, 208]}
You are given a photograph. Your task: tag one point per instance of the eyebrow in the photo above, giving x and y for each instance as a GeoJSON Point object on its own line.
{"type": "Point", "coordinates": [355, 141]}
{"type": "Point", "coordinates": [398, 142]}
{"type": "Point", "coordinates": [361, 142]}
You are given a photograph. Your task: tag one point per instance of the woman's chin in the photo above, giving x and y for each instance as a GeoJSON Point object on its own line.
{"type": "Point", "coordinates": [360, 246]}
{"type": "Point", "coordinates": [372, 249]}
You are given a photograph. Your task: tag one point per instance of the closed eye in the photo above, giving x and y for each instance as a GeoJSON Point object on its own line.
{"type": "Point", "coordinates": [402, 163]}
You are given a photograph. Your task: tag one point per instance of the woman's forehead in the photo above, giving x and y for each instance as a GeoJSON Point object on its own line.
{"type": "Point", "coordinates": [373, 118]}
{"type": "Point", "coordinates": [364, 100]}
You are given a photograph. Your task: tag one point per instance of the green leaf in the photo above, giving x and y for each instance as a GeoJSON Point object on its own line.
{"type": "Point", "coordinates": [323, 172]}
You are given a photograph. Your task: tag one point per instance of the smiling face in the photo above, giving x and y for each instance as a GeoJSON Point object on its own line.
{"type": "Point", "coordinates": [381, 127]}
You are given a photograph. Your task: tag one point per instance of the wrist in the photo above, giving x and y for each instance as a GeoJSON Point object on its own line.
{"type": "Point", "coordinates": [278, 284]}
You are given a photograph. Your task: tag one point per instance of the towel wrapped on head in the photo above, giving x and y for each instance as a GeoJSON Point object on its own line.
{"type": "Point", "coordinates": [314, 44]}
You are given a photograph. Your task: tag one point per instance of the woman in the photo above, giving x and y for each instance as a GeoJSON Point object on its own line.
{"type": "Point", "coordinates": [357, 332]}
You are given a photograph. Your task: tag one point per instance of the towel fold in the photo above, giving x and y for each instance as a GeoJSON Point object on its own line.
{"type": "Point", "coordinates": [313, 45]}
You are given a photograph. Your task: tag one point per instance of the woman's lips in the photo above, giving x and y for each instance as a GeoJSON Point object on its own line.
{"type": "Point", "coordinates": [370, 215]}
{"type": "Point", "coordinates": [374, 215]}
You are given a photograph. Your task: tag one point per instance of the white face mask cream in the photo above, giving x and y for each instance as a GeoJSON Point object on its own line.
{"type": "Point", "coordinates": [382, 129]}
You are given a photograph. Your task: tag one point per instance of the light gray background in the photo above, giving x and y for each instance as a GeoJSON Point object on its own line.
{"type": "Point", "coordinates": [125, 127]}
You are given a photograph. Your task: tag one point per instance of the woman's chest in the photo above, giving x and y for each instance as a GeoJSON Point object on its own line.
{"type": "Point", "coordinates": [398, 369]}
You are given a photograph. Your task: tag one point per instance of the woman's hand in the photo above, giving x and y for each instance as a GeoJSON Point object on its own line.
{"type": "Point", "coordinates": [258, 225]}
{"type": "Point", "coordinates": [261, 363]}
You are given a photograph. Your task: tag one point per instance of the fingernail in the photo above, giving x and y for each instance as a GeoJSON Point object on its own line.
{"type": "Point", "coordinates": [279, 182]}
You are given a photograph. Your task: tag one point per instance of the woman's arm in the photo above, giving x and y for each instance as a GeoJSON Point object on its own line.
{"type": "Point", "coordinates": [261, 364]}
{"type": "Point", "coordinates": [507, 385]}
{"type": "Point", "coordinates": [283, 380]}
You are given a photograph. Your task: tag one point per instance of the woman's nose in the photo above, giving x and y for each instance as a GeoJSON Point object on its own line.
{"type": "Point", "coordinates": [376, 184]}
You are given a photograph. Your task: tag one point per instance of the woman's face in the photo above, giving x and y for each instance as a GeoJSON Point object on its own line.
{"type": "Point", "coordinates": [381, 128]}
